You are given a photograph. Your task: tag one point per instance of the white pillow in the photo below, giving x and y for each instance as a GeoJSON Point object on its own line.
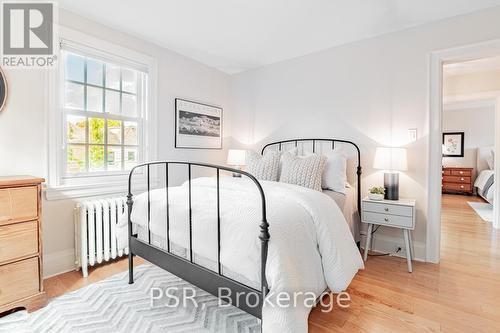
{"type": "Point", "coordinates": [263, 167]}
{"type": "Point", "coordinates": [302, 171]}
{"type": "Point", "coordinates": [490, 159]}
{"type": "Point", "coordinates": [294, 151]}
{"type": "Point", "coordinates": [335, 175]}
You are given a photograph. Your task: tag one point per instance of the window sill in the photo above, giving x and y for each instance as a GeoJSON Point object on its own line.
{"type": "Point", "coordinates": [81, 191]}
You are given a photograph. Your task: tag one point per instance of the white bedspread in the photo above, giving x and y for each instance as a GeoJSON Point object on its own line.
{"type": "Point", "coordinates": [310, 248]}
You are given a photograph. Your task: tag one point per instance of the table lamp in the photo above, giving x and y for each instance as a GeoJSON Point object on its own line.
{"type": "Point", "coordinates": [391, 160]}
{"type": "Point", "coordinates": [237, 159]}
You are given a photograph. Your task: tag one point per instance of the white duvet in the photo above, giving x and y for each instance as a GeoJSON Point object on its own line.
{"type": "Point", "coordinates": [311, 247]}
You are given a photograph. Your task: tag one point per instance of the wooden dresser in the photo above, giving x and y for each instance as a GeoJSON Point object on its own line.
{"type": "Point", "coordinates": [21, 284]}
{"type": "Point", "coordinates": [457, 180]}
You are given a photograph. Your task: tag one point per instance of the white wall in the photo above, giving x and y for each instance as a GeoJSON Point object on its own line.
{"type": "Point", "coordinates": [479, 127]}
{"type": "Point", "coordinates": [23, 126]}
{"type": "Point", "coordinates": [371, 91]}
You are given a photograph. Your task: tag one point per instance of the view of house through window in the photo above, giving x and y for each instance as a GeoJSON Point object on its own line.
{"type": "Point", "coordinates": [103, 112]}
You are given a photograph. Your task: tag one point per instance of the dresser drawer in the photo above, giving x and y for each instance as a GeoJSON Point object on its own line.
{"type": "Point", "coordinates": [19, 280]}
{"type": "Point", "coordinates": [389, 220]}
{"type": "Point", "coordinates": [388, 209]}
{"type": "Point", "coordinates": [457, 187]}
{"type": "Point", "coordinates": [18, 204]}
{"type": "Point", "coordinates": [461, 173]}
{"type": "Point", "coordinates": [18, 240]}
{"type": "Point", "coordinates": [446, 172]}
{"type": "Point", "coordinates": [457, 179]}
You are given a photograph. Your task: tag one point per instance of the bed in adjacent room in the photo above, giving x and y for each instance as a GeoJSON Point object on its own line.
{"type": "Point", "coordinates": [309, 226]}
{"type": "Point", "coordinates": [484, 182]}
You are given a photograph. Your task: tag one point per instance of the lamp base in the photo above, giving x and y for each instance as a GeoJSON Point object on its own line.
{"type": "Point", "coordinates": [391, 184]}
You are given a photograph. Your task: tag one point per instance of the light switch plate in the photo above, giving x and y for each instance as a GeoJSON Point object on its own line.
{"type": "Point", "coordinates": [412, 134]}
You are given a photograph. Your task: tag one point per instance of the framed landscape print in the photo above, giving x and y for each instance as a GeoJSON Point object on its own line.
{"type": "Point", "coordinates": [197, 125]}
{"type": "Point", "coordinates": [453, 144]}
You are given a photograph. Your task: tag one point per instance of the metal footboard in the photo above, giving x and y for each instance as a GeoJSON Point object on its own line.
{"type": "Point", "coordinates": [188, 270]}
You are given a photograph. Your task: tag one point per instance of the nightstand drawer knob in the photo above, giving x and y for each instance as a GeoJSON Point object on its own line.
{"type": "Point", "coordinates": [462, 179]}
{"type": "Point", "coordinates": [386, 209]}
{"type": "Point", "coordinates": [461, 172]}
{"type": "Point", "coordinates": [461, 186]}
{"type": "Point", "coordinates": [386, 219]}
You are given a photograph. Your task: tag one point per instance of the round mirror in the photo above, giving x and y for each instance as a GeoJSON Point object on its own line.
{"type": "Point", "coordinates": [3, 89]}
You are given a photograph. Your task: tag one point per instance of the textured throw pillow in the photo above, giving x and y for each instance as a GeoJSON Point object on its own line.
{"type": "Point", "coordinates": [263, 167]}
{"type": "Point", "coordinates": [303, 171]}
{"type": "Point", "coordinates": [335, 175]}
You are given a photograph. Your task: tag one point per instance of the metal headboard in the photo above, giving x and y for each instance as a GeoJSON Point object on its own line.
{"type": "Point", "coordinates": [333, 142]}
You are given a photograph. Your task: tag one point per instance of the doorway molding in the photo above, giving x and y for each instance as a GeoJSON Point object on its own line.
{"type": "Point", "coordinates": [437, 60]}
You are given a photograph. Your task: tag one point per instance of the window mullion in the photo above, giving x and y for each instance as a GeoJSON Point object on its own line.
{"type": "Point", "coordinates": [87, 140]}
{"type": "Point", "coordinates": [123, 123]}
{"type": "Point", "coordinates": [105, 157]}
{"type": "Point", "coordinates": [87, 132]}
{"type": "Point", "coordinates": [122, 148]}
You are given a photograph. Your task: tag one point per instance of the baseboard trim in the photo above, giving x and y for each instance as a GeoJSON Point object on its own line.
{"type": "Point", "coordinates": [386, 244]}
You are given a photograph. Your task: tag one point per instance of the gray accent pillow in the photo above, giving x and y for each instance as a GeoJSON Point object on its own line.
{"type": "Point", "coordinates": [303, 171]}
{"type": "Point", "coordinates": [263, 167]}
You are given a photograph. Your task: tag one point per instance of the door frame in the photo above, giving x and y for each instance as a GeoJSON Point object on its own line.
{"type": "Point", "coordinates": [437, 60]}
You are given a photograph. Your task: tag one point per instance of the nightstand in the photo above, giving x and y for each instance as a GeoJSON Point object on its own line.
{"type": "Point", "coordinates": [390, 213]}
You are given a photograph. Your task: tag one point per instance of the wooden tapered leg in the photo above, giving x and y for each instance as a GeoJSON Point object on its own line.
{"type": "Point", "coordinates": [368, 241]}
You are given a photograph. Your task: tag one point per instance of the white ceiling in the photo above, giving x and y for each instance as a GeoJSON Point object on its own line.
{"type": "Point", "coordinates": [237, 35]}
{"type": "Point", "coordinates": [472, 66]}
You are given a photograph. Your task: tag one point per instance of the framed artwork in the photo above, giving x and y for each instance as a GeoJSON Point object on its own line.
{"type": "Point", "coordinates": [197, 125]}
{"type": "Point", "coordinates": [453, 144]}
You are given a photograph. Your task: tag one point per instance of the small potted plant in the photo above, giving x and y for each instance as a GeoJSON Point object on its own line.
{"type": "Point", "coordinates": [376, 193]}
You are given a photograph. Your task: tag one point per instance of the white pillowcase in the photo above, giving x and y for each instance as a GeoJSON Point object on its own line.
{"type": "Point", "coordinates": [335, 175]}
{"type": "Point", "coordinates": [263, 167]}
{"type": "Point", "coordinates": [491, 160]}
{"type": "Point", "coordinates": [302, 171]}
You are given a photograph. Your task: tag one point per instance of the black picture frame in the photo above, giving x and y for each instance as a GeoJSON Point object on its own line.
{"type": "Point", "coordinates": [461, 139]}
{"type": "Point", "coordinates": [185, 140]}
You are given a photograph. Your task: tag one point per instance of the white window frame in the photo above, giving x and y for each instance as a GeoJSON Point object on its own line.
{"type": "Point", "coordinates": [62, 185]}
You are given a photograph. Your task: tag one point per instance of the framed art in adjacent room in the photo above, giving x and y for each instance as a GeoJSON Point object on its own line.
{"type": "Point", "coordinates": [453, 144]}
{"type": "Point", "coordinates": [197, 125]}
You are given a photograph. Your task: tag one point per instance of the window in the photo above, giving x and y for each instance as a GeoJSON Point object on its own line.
{"type": "Point", "coordinates": [104, 105]}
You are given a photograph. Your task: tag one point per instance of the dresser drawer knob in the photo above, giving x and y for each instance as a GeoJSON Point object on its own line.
{"type": "Point", "coordinates": [386, 209]}
{"type": "Point", "coordinates": [386, 219]}
{"type": "Point", "coordinates": [462, 179]}
{"type": "Point", "coordinates": [461, 186]}
{"type": "Point", "coordinates": [461, 172]}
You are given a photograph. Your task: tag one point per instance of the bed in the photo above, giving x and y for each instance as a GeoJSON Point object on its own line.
{"type": "Point", "coordinates": [347, 203]}
{"type": "Point", "coordinates": [200, 231]}
{"type": "Point", "coordinates": [484, 182]}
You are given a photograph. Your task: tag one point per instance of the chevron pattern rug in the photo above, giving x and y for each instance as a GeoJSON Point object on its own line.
{"type": "Point", "coordinates": [112, 305]}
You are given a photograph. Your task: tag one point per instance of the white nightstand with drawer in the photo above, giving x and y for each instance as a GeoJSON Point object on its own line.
{"type": "Point", "coordinates": [390, 213]}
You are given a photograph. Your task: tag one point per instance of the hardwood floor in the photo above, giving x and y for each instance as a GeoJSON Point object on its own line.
{"type": "Point", "coordinates": [461, 294]}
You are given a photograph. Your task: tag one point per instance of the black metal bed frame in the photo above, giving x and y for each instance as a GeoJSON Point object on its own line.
{"type": "Point", "coordinates": [188, 270]}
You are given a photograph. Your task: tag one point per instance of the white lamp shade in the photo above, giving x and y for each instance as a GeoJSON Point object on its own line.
{"type": "Point", "coordinates": [393, 159]}
{"type": "Point", "coordinates": [236, 157]}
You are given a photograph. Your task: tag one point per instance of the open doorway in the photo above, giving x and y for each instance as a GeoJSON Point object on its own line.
{"type": "Point", "coordinates": [470, 91]}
